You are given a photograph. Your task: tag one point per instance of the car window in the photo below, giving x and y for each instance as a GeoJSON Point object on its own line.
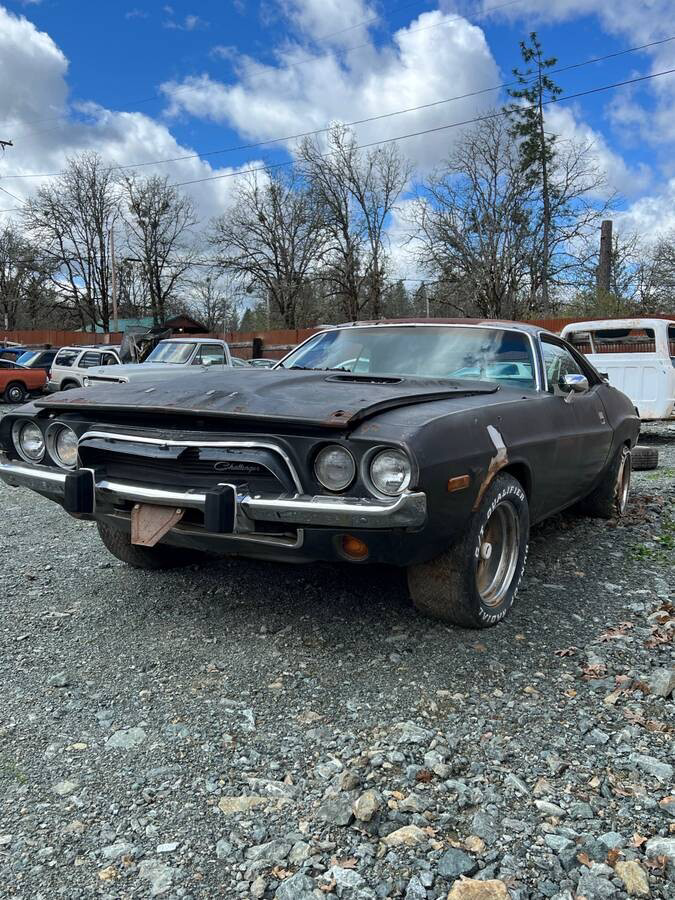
{"type": "Point", "coordinates": [109, 359]}
{"type": "Point", "coordinates": [90, 359]}
{"type": "Point", "coordinates": [211, 355]}
{"type": "Point", "coordinates": [66, 358]}
{"type": "Point", "coordinates": [30, 356]}
{"type": "Point", "coordinates": [558, 362]}
{"type": "Point", "coordinates": [671, 342]}
{"type": "Point", "coordinates": [173, 352]}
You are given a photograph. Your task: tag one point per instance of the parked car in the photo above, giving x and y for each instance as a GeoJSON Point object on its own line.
{"type": "Point", "coordinates": [169, 357]}
{"type": "Point", "coordinates": [38, 359]}
{"type": "Point", "coordinates": [239, 362]}
{"type": "Point", "coordinates": [409, 463]}
{"type": "Point", "coordinates": [17, 382]}
{"type": "Point", "coordinates": [71, 364]}
{"type": "Point", "coordinates": [261, 363]}
{"type": "Point", "coordinates": [12, 353]}
{"type": "Point", "coordinates": [638, 357]}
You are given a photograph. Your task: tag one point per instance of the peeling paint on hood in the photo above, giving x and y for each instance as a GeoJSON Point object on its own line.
{"type": "Point", "coordinates": [330, 399]}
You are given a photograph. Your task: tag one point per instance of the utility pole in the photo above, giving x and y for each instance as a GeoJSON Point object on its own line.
{"type": "Point", "coordinates": [4, 144]}
{"type": "Point", "coordinates": [605, 262]}
{"type": "Point", "coordinates": [113, 280]}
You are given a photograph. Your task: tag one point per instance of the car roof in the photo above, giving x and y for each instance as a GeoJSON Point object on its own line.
{"type": "Point", "coordinates": [192, 340]}
{"type": "Point", "coordinates": [525, 327]}
{"type": "Point", "coordinates": [91, 347]}
{"type": "Point", "coordinates": [618, 323]}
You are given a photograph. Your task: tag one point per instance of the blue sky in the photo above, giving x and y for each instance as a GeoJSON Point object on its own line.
{"type": "Point", "coordinates": [145, 81]}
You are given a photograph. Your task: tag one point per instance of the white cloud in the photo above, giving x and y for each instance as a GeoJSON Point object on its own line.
{"type": "Point", "coordinates": [37, 117]}
{"type": "Point", "coordinates": [435, 57]}
{"type": "Point", "coordinates": [567, 124]}
{"type": "Point", "coordinates": [335, 21]}
{"type": "Point", "coordinates": [190, 23]}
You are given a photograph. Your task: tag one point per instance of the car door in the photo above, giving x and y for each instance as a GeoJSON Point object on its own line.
{"type": "Point", "coordinates": [585, 433]}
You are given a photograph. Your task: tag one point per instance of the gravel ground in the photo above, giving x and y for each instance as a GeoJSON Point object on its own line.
{"type": "Point", "coordinates": [254, 730]}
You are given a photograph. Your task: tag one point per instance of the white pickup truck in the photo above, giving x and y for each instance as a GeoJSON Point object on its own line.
{"type": "Point", "coordinates": [169, 357]}
{"type": "Point", "coordinates": [638, 357]}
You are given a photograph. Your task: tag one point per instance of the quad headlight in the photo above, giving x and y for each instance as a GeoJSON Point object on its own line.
{"type": "Point", "coordinates": [62, 443]}
{"type": "Point", "coordinates": [390, 472]}
{"type": "Point", "coordinates": [334, 468]}
{"type": "Point", "coordinates": [28, 440]}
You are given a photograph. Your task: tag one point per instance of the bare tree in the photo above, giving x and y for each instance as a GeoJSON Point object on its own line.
{"type": "Point", "coordinates": [474, 224]}
{"type": "Point", "coordinates": [215, 298]}
{"type": "Point", "coordinates": [158, 221]}
{"type": "Point", "coordinates": [358, 191]}
{"type": "Point", "coordinates": [71, 219]}
{"type": "Point", "coordinates": [272, 238]}
{"type": "Point", "coordinates": [24, 277]}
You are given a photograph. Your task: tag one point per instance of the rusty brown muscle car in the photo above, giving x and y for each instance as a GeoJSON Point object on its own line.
{"type": "Point", "coordinates": [432, 444]}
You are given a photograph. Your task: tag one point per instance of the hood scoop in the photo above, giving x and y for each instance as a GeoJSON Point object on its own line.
{"type": "Point", "coordinates": [353, 378]}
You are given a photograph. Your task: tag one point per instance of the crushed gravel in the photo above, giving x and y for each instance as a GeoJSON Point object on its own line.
{"type": "Point", "coordinates": [256, 730]}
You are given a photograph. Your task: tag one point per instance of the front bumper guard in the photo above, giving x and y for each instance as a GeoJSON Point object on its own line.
{"type": "Point", "coordinates": [79, 492]}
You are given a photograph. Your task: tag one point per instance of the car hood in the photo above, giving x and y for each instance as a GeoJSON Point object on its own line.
{"type": "Point", "coordinates": [147, 368]}
{"type": "Point", "coordinates": [330, 399]}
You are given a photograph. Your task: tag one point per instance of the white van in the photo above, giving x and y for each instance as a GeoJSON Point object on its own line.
{"type": "Point", "coordinates": [638, 357]}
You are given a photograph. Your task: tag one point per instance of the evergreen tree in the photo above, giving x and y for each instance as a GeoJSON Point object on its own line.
{"type": "Point", "coordinates": [537, 148]}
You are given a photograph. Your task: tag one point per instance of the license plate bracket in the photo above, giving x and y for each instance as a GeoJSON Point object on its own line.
{"type": "Point", "coordinates": [149, 522]}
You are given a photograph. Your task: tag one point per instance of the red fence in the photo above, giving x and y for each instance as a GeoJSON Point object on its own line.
{"type": "Point", "coordinates": [273, 344]}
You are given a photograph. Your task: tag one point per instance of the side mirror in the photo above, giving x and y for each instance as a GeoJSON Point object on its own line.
{"type": "Point", "coordinates": [574, 384]}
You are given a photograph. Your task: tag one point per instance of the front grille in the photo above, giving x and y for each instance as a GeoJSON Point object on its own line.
{"type": "Point", "coordinates": [259, 470]}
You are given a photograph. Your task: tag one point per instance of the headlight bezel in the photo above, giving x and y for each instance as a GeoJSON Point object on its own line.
{"type": "Point", "coordinates": [372, 457]}
{"type": "Point", "coordinates": [52, 436]}
{"type": "Point", "coordinates": [346, 484]}
{"type": "Point", "coordinates": [18, 427]}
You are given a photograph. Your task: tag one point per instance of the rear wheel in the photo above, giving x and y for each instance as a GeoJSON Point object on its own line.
{"type": "Point", "coordinates": [160, 556]}
{"type": "Point", "coordinates": [474, 583]}
{"type": "Point", "coordinates": [610, 497]}
{"type": "Point", "coordinates": [645, 458]}
{"type": "Point", "coordinates": [15, 393]}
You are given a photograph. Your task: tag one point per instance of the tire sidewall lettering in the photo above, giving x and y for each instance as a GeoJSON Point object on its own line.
{"type": "Point", "coordinates": [510, 492]}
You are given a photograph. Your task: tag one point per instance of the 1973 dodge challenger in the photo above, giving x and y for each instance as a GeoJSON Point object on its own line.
{"type": "Point", "coordinates": [432, 445]}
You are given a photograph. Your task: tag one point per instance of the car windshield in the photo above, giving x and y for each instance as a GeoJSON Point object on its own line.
{"type": "Point", "coordinates": [28, 357]}
{"type": "Point", "coordinates": [171, 352]}
{"type": "Point", "coordinates": [486, 354]}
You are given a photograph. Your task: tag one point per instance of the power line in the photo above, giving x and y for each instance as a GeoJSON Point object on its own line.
{"type": "Point", "coordinates": [13, 196]}
{"type": "Point", "coordinates": [401, 137]}
{"type": "Point", "coordinates": [375, 118]}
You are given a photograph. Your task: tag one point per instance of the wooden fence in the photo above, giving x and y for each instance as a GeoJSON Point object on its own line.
{"type": "Point", "coordinates": [246, 344]}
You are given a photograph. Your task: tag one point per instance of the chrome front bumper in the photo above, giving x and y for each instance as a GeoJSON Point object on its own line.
{"type": "Point", "coordinates": [407, 511]}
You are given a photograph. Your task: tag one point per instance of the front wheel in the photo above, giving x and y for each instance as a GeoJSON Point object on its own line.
{"type": "Point", "coordinates": [15, 393]}
{"type": "Point", "coordinates": [474, 583]}
{"type": "Point", "coordinates": [161, 556]}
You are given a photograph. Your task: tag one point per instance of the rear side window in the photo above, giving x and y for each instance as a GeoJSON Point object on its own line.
{"type": "Point", "coordinates": [90, 359]}
{"type": "Point", "coordinates": [671, 342]}
{"type": "Point", "coordinates": [614, 340]}
{"type": "Point", "coordinates": [66, 358]}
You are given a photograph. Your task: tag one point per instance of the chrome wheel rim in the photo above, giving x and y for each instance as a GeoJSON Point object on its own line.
{"type": "Point", "coordinates": [623, 484]}
{"type": "Point", "coordinates": [498, 554]}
